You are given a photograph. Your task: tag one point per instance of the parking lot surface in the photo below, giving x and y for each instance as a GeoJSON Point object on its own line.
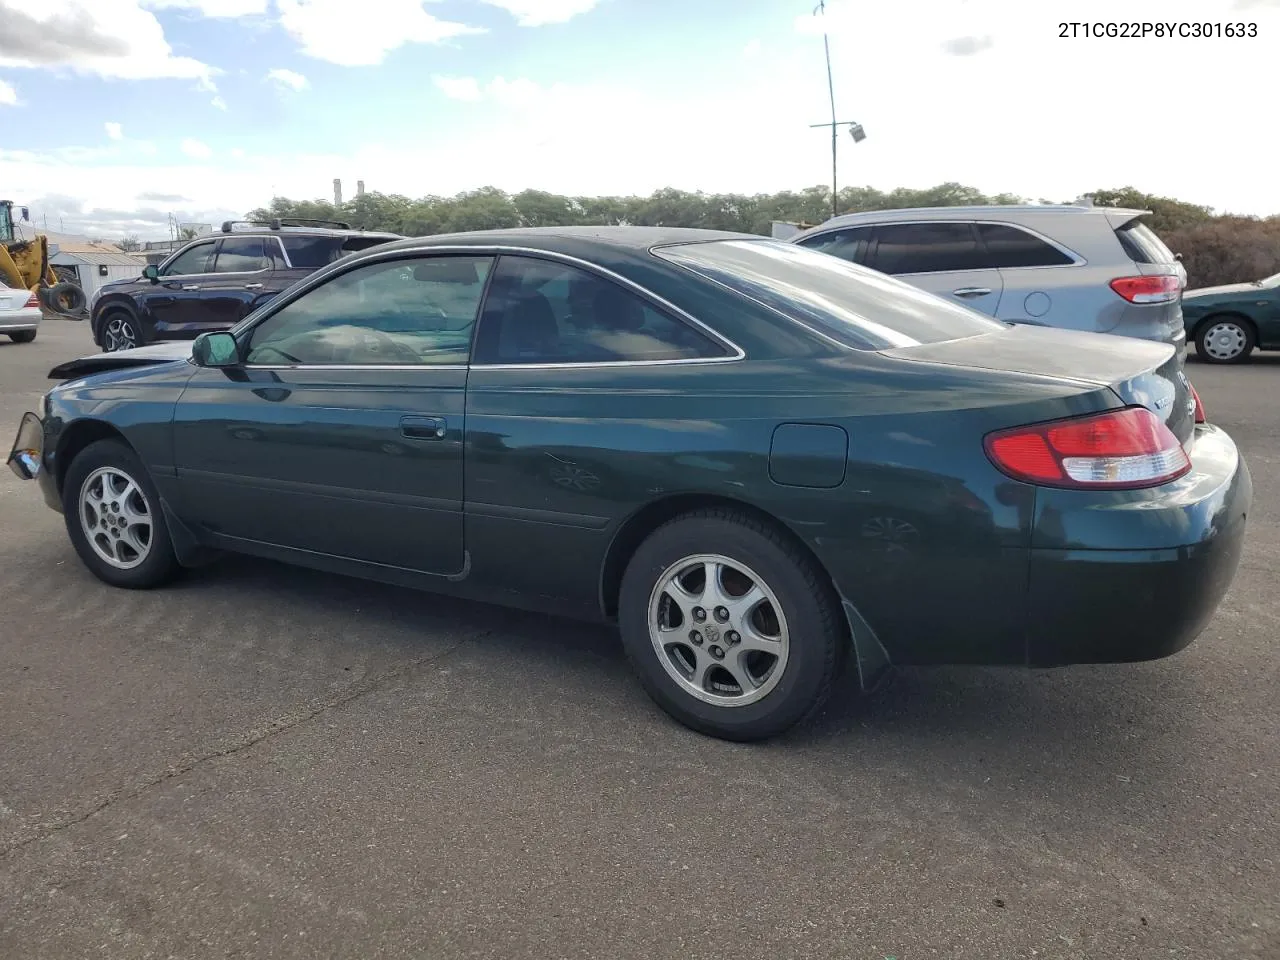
{"type": "Point", "coordinates": [268, 762]}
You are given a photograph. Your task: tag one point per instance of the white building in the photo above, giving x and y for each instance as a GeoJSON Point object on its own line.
{"type": "Point", "coordinates": [93, 264]}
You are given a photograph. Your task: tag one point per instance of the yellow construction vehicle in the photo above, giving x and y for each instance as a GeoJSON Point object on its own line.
{"type": "Point", "coordinates": [24, 265]}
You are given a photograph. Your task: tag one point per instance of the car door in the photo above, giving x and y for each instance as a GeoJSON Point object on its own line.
{"type": "Point", "coordinates": [341, 433]}
{"type": "Point", "coordinates": [173, 303]}
{"type": "Point", "coordinates": [560, 397]}
{"type": "Point", "coordinates": [943, 257]}
{"type": "Point", "coordinates": [239, 275]}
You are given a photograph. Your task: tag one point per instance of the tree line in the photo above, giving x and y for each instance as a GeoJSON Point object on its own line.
{"type": "Point", "coordinates": [1215, 248]}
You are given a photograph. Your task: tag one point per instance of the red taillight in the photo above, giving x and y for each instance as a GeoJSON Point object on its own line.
{"type": "Point", "coordinates": [1118, 450]}
{"type": "Point", "coordinates": [1195, 395]}
{"type": "Point", "coordinates": [1158, 289]}
{"type": "Point", "coordinates": [33, 300]}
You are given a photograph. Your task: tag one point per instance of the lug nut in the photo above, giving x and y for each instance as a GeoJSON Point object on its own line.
{"type": "Point", "coordinates": [722, 614]}
{"type": "Point", "coordinates": [733, 637]}
{"type": "Point", "coordinates": [695, 638]}
{"type": "Point", "coordinates": [699, 614]}
{"type": "Point", "coordinates": [716, 652]}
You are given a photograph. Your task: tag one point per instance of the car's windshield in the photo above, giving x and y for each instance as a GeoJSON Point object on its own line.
{"type": "Point", "coordinates": [853, 305]}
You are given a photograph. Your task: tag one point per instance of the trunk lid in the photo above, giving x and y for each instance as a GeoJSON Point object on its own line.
{"type": "Point", "coordinates": [11, 299]}
{"type": "Point", "coordinates": [1141, 372]}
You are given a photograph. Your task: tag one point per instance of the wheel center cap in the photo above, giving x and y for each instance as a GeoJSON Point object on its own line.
{"type": "Point", "coordinates": [711, 632]}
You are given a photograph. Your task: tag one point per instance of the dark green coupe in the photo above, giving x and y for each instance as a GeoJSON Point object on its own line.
{"type": "Point", "coordinates": [1227, 323]}
{"type": "Point", "coordinates": [756, 458]}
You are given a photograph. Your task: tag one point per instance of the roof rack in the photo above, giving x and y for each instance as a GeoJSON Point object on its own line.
{"type": "Point", "coordinates": [276, 223]}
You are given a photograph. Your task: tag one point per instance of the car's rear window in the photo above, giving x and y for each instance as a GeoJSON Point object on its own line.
{"type": "Point", "coordinates": [1142, 244]}
{"type": "Point", "coordinates": [311, 253]}
{"type": "Point", "coordinates": [853, 305]}
{"type": "Point", "coordinates": [352, 244]}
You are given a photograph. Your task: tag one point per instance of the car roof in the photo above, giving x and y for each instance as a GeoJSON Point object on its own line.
{"type": "Point", "coordinates": [553, 239]}
{"type": "Point", "coordinates": [986, 211]}
{"type": "Point", "coordinates": [301, 232]}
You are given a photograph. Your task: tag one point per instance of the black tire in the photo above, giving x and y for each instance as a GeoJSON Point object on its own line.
{"type": "Point", "coordinates": [64, 297]}
{"type": "Point", "coordinates": [1243, 330]}
{"type": "Point", "coordinates": [160, 564]}
{"type": "Point", "coordinates": [22, 336]}
{"type": "Point", "coordinates": [817, 641]}
{"type": "Point", "coordinates": [128, 326]}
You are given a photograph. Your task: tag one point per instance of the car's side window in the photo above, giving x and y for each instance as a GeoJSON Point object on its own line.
{"type": "Point", "coordinates": [544, 311]}
{"type": "Point", "coordinates": [241, 255]}
{"type": "Point", "coordinates": [194, 260]}
{"type": "Point", "coordinates": [418, 310]}
{"type": "Point", "coordinates": [1008, 246]}
{"type": "Point", "coordinates": [927, 248]}
{"type": "Point", "coordinates": [850, 244]}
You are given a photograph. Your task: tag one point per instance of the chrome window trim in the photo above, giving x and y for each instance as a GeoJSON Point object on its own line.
{"type": "Point", "coordinates": [374, 255]}
{"type": "Point", "coordinates": [1076, 259]}
{"type": "Point", "coordinates": [283, 252]}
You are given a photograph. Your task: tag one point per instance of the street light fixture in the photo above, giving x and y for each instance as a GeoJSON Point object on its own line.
{"type": "Point", "coordinates": [855, 129]}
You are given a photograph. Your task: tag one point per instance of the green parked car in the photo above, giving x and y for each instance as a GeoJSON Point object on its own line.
{"type": "Point", "coordinates": [1226, 323]}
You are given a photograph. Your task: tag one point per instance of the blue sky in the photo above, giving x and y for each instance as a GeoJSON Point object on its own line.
{"type": "Point", "coordinates": [114, 113]}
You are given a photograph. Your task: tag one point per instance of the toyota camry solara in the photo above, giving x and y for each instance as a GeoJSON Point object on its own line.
{"type": "Point", "coordinates": [757, 459]}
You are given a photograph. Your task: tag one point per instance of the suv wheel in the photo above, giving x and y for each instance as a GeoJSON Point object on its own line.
{"type": "Point", "coordinates": [120, 332]}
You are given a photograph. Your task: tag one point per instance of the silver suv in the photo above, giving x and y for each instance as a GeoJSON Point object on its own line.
{"type": "Point", "coordinates": [1085, 268]}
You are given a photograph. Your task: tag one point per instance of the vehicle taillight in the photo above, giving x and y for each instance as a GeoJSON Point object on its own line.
{"type": "Point", "coordinates": [1156, 289]}
{"type": "Point", "coordinates": [33, 300]}
{"type": "Point", "coordinates": [1118, 450]}
{"type": "Point", "coordinates": [1195, 395]}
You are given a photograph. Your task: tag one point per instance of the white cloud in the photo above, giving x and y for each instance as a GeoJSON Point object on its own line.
{"type": "Point", "coordinates": [108, 38]}
{"type": "Point", "coordinates": [115, 131]}
{"type": "Point", "coordinates": [332, 30]}
{"type": "Point", "coordinates": [196, 149]}
{"type": "Point", "coordinates": [752, 49]}
{"type": "Point", "coordinates": [238, 152]}
{"type": "Point", "coordinates": [212, 8]}
{"type": "Point", "coordinates": [218, 103]}
{"type": "Point", "coordinates": [288, 79]}
{"type": "Point", "coordinates": [8, 95]}
{"type": "Point", "coordinates": [459, 88]}
{"type": "Point", "coordinates": [538, 13]}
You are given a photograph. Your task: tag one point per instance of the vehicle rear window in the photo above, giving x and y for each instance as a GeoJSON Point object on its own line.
{"type": "Point", "coordinates": [853, 305]}
{"type": "Point", "coordinates": [1010, 247]}
{"type": "Point", "coordinates": [1142, 245]}
{"type": "Point", "coordinates": [352, 244]}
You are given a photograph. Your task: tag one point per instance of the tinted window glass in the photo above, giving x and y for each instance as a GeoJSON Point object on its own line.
{"type": "Point", "coordinates": [540, 311]}
{"type": "Point", "coordinates": [850, 244]}
{"type": "Point", "coordinates": [926, 248]}
{"type": "Point", "coordinates": [1142, 245]}
{"type": "Point", "coordinates": [352, 244]}
{"type": "Point", "coordinates": [194, 260]}
{"type": "Point", "coordinates": [411, 311]}
{"type": "Point", "coordinates": [241, 255]}
{"type": "Point", "coordinates": [1011, 247]}
{"type": "Point", "coordinates": [310, 253]}
{"type": "Point", "coordinates": [851, 304]}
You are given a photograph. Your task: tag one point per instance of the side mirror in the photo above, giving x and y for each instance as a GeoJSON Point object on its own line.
{"type": "Point", "coordinates": [215, 350]}
{"type": "Point", "coordinates": [151, 272]}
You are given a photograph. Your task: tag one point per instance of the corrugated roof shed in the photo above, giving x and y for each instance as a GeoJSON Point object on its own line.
{"type": "Point", "coordinates": [95, 256]}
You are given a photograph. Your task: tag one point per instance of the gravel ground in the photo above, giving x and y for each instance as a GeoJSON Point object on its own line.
{"type": "Point", "coordinates": [268, 762]}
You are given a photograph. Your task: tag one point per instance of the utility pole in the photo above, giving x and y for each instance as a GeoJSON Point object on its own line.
{"type": "Point", "coordinates": [855, 129]}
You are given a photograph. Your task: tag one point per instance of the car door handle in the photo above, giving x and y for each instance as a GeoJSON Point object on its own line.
{"type": "Point", "coordinates": [971, 292]}
{"type": "Point", "coordinates": [253, 286]}
{"type": "Point", "coordinates": [191, 286]}
{"type": "Point", "coordinates": [423, 428]}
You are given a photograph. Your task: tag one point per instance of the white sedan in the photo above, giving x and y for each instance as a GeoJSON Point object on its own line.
{"type": "Point", "coordinates": [19, 314]}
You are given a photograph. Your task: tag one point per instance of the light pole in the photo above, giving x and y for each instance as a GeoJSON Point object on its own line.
{"type": "Point", "coordinates": [855, 129]}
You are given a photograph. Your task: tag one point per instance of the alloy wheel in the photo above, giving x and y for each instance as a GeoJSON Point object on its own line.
{"type": "Point", "coordinates": [718, 630]}
{"type": "Point", "coordinates": [116, 517]}
{"type": "Point", "coordinates": [120, 335]}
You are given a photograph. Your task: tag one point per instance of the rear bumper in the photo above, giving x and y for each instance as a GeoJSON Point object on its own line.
{"type": "Point", "coordinates": [16, 321]}
{"type": "Point", "coordinates": [1125, 605]}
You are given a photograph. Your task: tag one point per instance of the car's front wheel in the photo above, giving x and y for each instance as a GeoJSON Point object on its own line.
{"type": "Point", "coordinates": [114, 519]}
{"type": "Point", "coordinates": [120, 332]}
{"type": "Point", "coordinates": [731, 627]}
{"type": "Point", "coordinates": [1225, 340]}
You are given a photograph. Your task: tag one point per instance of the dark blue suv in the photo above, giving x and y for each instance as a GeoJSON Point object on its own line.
{"type": "Point", "coordinates": [214, 282]}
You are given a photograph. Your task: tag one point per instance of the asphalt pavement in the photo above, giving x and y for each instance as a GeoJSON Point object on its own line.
{"type": "Point", "coordinates": [268, 762]}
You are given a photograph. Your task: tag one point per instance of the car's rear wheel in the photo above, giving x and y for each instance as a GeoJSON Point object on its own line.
{"type": "Point", "coordinates": [114, 519]}
{"type": "Point", "coordinates": [731, 627]}
{"type": "Point", "coordinates": [22, 336]}
{"type": "Point", "coordinates": [1225, 340]}
{"type": "Point", "coordinates": [120, 332]}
